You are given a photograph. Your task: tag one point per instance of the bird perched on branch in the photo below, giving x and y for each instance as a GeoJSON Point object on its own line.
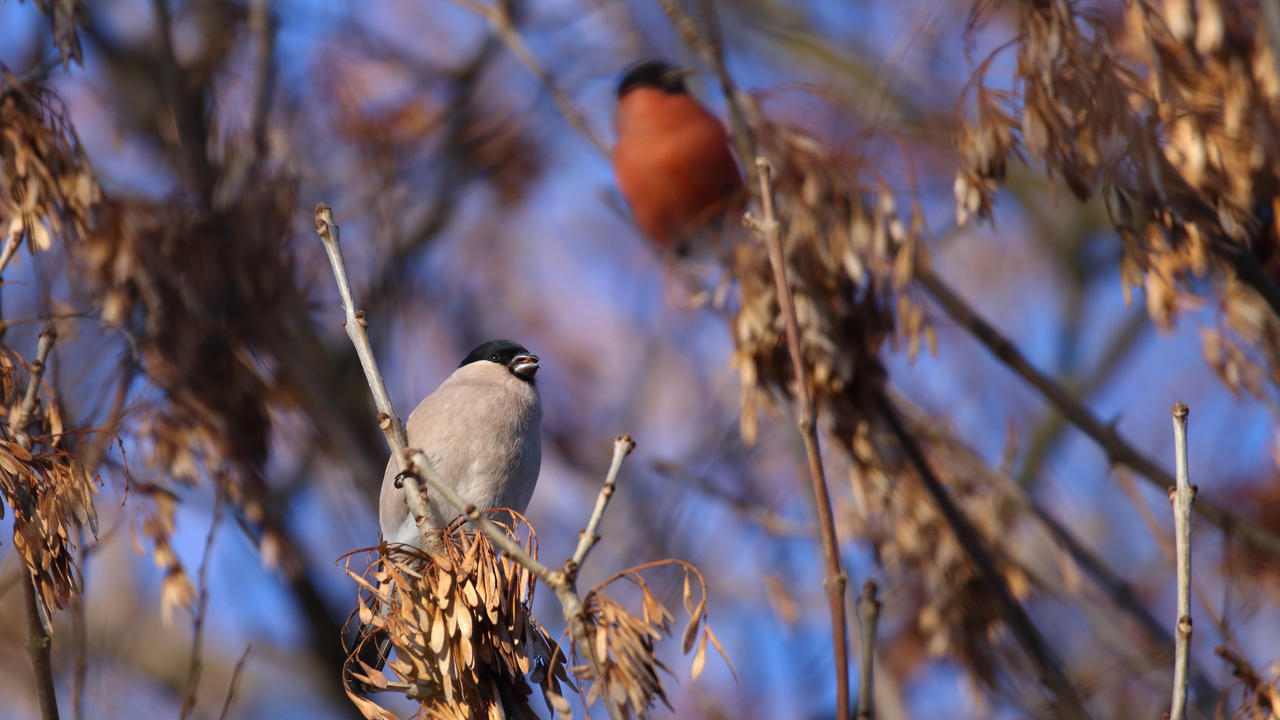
{"type": "Point", "coordinates": [672, 160]}
{"type": "Point", "coordinates": [482, 431]}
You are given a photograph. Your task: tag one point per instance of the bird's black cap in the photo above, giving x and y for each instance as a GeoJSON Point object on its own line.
{"type": "Point", "coordinates": [653, 74]}
{"type": "Point", "coordinates": [498, 351]}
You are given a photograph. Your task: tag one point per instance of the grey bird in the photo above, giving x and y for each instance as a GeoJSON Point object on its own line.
{"type": "Point", "coordinates": [482, 431]}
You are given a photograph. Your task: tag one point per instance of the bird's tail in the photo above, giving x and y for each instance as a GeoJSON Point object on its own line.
{"type": "Point", "coordinates": [368, 650]}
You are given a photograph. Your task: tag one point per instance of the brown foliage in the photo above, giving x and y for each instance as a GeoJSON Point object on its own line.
{"type": "Point", "coordinates": [461, 623]}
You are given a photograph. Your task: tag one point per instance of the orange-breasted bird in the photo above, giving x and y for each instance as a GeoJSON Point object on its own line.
{"type": "Point", "coordinates": [672, 160]}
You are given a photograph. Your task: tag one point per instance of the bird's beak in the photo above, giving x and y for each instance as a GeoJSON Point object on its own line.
{"type": "Point", "coordinates": [526, 366]}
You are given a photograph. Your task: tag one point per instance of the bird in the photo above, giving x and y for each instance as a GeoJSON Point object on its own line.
{"type": "Point", "coordinates": [672, 159]}
{"type": "Point", "coordinates": [482, 432]}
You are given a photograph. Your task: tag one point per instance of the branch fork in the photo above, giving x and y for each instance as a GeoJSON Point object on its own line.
{"type": "Point", "coordinates": [413, 466]}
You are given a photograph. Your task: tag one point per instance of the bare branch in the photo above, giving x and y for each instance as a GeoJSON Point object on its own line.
{"type": "Point", "coordinates": [560, 581]}
{"type": "Point", "coordinates": [194, 664]}
{"type": "Point", "coordinates": [806, 419]}
{"type": "Point", "coordinates": [234, 687]}
{"type": "Point", "coordinates": [40, 647]}
{"type": "Point", "coordinates": [1182, 496]}
{"type": "Point", "coordinates": [622, 446]}
{"type": "Point", "coordinates": [1048, 669]}
{"type": "Point", "coordinates": [39, 632]}
{"type": "Point", "coordinates": [1117, 449]}
{"type": "Point", "coordinates": [868, 615]}
{"type": "Point", "coordinates": [355, 325]}
{"type": "Point", "coordinates": [17, 430]}
{"type": "Point", "coordinates": [498, 15]}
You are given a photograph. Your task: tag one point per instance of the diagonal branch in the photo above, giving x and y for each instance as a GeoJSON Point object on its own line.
{"type": "Point", "coordinates": [1048, 669]}
{"type": "Point", "coordinates": [588, 538]}
{"type": "Point", "coordinates": [806, 419]}
{"type": "Point", "coordinates": [1117, 449]}
{"type": "Point", "coordinates": [498, 15]}
{"type": "Point", "coordinates": [414, 465]}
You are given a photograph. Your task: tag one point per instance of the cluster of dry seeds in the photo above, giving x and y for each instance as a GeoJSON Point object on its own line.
{"type": "Point", "coordinates": [47, 190]}
{"type": "Point", "coordinates": [460, 620]}
{"type": "Point", "coordinates": [851, 256]}
{"type": "Point", "coordinates": [1173, 125]}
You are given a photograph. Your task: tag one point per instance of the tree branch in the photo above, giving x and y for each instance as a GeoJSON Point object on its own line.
{"type": "Point", "coordinates": [806, 420]}
{"type": "Point", "coordinates": [868, 615]}
{"type": "Point", "coordinates": [39, 632]}
{"type": "Point", "coordinates": [202, 607]}
{"type": "Point", "coordinates": [498, 15]}
{"type": "Point", "coordinates": [1048, 669]}
{"type": "Point", "coordinates": [622, 446]}
{"type": "Point", "coordinates": [560, 581]}
{"type": "Point", "coordinates": [233, 688]}
{"type": "Point", "coordinates": [1117, 449]}
{"type": "Point", "coordinates": [1182, 496]}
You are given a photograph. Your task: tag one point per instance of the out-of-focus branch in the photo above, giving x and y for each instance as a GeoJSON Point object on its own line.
{"type": "Point", "coordinates": [869, 616]}
{"type": "Point", "coordinates": [39, 632]}
{"type": "Point", "coordinates": [414, 464]}
{"type": "Point", "coordinates": [233, 688]}
{"type": "Point", "coordinates": [707, 45]}
{"type": "Point", "coordinates": [1117, 449]}
{"type": "Point", "coordinates": [1182, 496]}
{"type": "Point", "coordinates": [1048, 431]}
{"type": "Point", "coordinates": [262, 25]}
{"type": "Point", "coordinates": [807, 420]}
{"type": "Point", "coordinates": [1067, 702]}
{"type": "Point", "coordinates": [10, 248]}
{"type": "Point", "coordinates": [498, 15]}
{"type": "Point", "coordinates": [1117, 589]}
{"type": "Point", "coordinates": [1264, 693]}
{"type": "Point", "coordinates": [40, 646]}
{"type": "Point", "coordinates": [195, 663]}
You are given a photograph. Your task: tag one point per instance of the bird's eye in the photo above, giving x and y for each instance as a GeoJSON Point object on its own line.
{"type": "Point", "coordinates": [493, 357]}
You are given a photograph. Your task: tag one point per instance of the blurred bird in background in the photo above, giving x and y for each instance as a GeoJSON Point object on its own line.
{"type": "Point", "coordinates": [672, 161]}
{"type": "Point", "coordinates": [482, 431]}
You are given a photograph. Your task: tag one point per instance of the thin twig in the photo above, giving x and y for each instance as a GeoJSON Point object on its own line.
{"type": "Point", "coordinates": [742, 114]}
{"type": "Point", "coordinates": [10, 248]}
{"type": "Point", "coordinates": [1048, 669]}
{"type": "Point", "coordinates": [622, 446]}
{"type": "Point", "coordinates": [79, 633]}
{"type": "Point", "coordinates": [498, 15]}
{"type": "Point", "coordinates": [806, 419]}
{"type": "Point", "coordinates": [40, 647]}
{"type": "Point", "coordinates": [17, 429]}
{"type": "Point", "coordinates": [1119, 590]}
{"type": "Point", "coordinates": [39, 632]}
{"type": "Point", "coordinates": [1117, 449]}
{"type": "Point", "coordinates": [234, 688]}
{"type": "Point", "coordinates": [561, 581]}
{"type": "Point", "coordinates": [195, 664]}
{"type": "Point", "coordinates": [868, 616]}
{"type": "Point", "coordinates": [1181, 496]}
{"type": "Point", "coordinates": [390, 425]}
